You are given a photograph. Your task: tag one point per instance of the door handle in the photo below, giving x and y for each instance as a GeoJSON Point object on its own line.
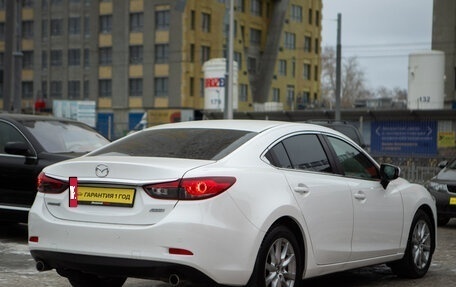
{"type": "Point", "coordinates": [360, 195]}
{"type": "Point", "coordinates": [301, 188]}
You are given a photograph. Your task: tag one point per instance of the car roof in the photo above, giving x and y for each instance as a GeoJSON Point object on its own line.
{"type": "Point", "coordinates": [29, 117]}
{"type": "Point", "coordinates": [245, 125]}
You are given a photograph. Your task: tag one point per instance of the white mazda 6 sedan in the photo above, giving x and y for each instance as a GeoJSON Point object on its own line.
{"type": "Point", "coordinates": [228, 202]}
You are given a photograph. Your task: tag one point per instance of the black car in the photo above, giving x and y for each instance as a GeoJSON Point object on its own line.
{"type": "Point", "coordinates": [344, 128]}
{"type": "Point", "coordinates": [443, 188]}
{"type": "Point", "coordinates": [27, 144]}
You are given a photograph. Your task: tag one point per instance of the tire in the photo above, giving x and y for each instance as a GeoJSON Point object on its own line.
{"type": "Point", "coordinates": [420, 248]}
{"type": "Point", "coordinates": [442, 220]}
{"type": "Point", "coordinates": [80, 279]}
{"type": "Point", "coordinates": [279, 260]}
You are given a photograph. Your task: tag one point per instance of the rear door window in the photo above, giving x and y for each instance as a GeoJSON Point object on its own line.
{"type": "Point", "coordinates": [303, 152]}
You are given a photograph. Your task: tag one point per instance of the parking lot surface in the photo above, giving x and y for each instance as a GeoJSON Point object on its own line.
{"type": "Point", "coordinates": [17, 267]}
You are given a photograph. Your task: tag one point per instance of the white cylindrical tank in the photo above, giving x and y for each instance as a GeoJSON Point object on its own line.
{"type": "Point", "coordinates": [214, 84]}
{"type": "Point", "coordinates": [426, 79]}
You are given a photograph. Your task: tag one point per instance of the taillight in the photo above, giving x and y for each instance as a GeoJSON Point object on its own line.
{"type": "Point", "coordinates": [47, 184]}
{"type": "Point", "coordinates": [190, 188]}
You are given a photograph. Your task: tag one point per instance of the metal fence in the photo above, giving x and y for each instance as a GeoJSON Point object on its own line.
{"type": "Point", "coordinates": [418, 174]}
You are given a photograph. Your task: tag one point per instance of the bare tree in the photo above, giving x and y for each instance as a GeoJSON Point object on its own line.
{"type": "Point", "coordinates": [353, 82]}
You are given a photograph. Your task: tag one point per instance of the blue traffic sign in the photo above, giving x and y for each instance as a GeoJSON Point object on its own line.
{"type": "Point", "coordinates": [404, 138]}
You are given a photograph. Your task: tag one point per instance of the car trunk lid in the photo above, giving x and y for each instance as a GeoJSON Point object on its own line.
{"type": "Point", "coordinates": [110, 189]}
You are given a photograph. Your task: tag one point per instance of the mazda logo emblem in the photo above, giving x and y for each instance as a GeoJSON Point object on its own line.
{"type": "Point", "coordinates": [102, 170]}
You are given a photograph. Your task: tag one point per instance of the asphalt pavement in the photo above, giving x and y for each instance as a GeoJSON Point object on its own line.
{"type": "Point", "coordinates": [17, 268]}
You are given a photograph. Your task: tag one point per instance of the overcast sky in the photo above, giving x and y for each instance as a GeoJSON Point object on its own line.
{"type": "Point", "coordinates": [381, 34]}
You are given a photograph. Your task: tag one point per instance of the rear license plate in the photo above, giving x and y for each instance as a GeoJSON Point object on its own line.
{"type": "Point", "coordinates": [452, 200]}
{"type": "Point", "coordinates": [106, 196]}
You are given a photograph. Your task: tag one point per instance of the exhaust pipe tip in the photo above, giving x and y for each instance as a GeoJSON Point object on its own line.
{"type": "Point", "coordinates": [41, 266]}
{"type": "Point", "coordinates": [174, 280]}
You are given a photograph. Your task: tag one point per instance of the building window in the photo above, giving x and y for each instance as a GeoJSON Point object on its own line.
{"type": "Point", "coordinates": [44, 28]}
{"type": "Point", "coordinates": [256, 7]}
{"type": "Point", "coordinates": [306, 72]}
{"type": "Point", "coordinates": [305, 100]}
{"type": "Point", "coordinates": [2, 4]}
{"type": "Point", "coordinates": [44, 91]}
{"type": "Point", "coordinates": [315, 73]}
{"type": "Point", "coordinates": [240, 6]}
{"type": "Point", "coordinates": [192, 20]}
{"type": "Point", "coordinates": [136, 54]}
{"type": "Point", "coordinates": [74, 57]}
{"type": "Point", "coordinates": [307, 44]}
{"type": "Point", "coordinates": [162, 19]}
{"type": "Point", "coordinates": [44, 59]}
{"type": "Point", "coordinates": [105, 56]}
{"type": "Point", "coordinates": [86, 89]}
{"type": "Point", "coordinates": [238, 58]}
{"type": "Point", "coordinates": [74, 89]}
{"type": "Point", "coordinates": [86, 58]}
{"type": "Point", "coordinates": [56, 27]}
{"type": "Point", "coordinates": [205, 53]}
{"type": "Point", "coordinates": [202, 88]}
{"type": "Point", "coordinates": [290, 41]}
{"type": "Point", "coordinates": [2, 31]}
{"type": "Point", "coordinates": [105, 88]}
{"type": "Point", "coordinates": [251, 65]}
{"type": "Point", "coordinates": [86, 26]}
{"type": "Point", "coordinates": [56, 58]}
{"type": "Point", "coordinates": [276, 95]}
{"type": "Point", "coordinates": [282, 67]}
{"type": "Point", "coordinates": [136, 22]}
{"type": "Point", "coordinates": [296, 13]}
{"type": "Point", "coordinates": [191, 87]}
{"type": "Point", "coordinates": [136, 87]}
{"type": "Point", "coordinates": [74, 26]}
{"type": "Point", "coordinates": [317, 43]}
{"type": "Point", "coordinates": [255, 36]}
{"type": "Point", "coordinates": [27, 29]}
{"type": "Point", "coordinates": [56, 89]}
{"type": "Point", "coordinates": [56, 2]}
{"type": "Point", "coordinates": [106, 23]}
{"type": "Point", "coordinates": [27, 90]}
{"type": "Point", "coordinates": [293, 68]}
{"type": "Point", "coordinates": [290, 95]}
{"type": "Point", "coordinates": [192, 53]}
{"type": "Point", "coordinates": [243, 93]}
{"type": "Point", "coordinates": [206, 22]}
{"type": "Point", "coordinates": [27, 60]}
{"type": "Point", "coordinates": [161, 87]}
{"type": "Point", "coordinates": [27, 3]}
{"type": "Point", "coordinates": [161, 53]}
{"type": "Point", "coordinates": [310, 17]}
{"type": "Point", "coordinates": [317, 18]}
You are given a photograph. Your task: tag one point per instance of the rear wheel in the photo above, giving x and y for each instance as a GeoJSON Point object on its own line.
{"type": "Point", "coordinates": [279, 261]}
{"type": "Point", "coordinates": [420, 247]}
{"type": "Point", "coordinates": [80, 279]}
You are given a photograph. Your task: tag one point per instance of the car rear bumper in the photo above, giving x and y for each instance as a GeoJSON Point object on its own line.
{"type": "Point", "coordinates": [118, 267]}
{"type": "Point", "coordinates": [223, 248]}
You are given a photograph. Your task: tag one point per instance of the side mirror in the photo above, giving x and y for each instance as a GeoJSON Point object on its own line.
{"type": "Point", "coordinates": [442, 164]}
{"type": "Point", "coordinates": [17, 148]}
{"type": "Point", "coordinates": [388, 173]}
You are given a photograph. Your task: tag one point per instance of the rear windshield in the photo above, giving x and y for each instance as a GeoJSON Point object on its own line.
{"type": "Point", "coordinates": [205, 144]}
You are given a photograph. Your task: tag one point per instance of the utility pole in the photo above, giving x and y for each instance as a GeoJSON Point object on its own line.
{"type": "Point", "coordinates": [16, 95]}
{"type": "Point", "coordinates": [228, 112]}
{"type": "Point", "coordinates": [338, 67]}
